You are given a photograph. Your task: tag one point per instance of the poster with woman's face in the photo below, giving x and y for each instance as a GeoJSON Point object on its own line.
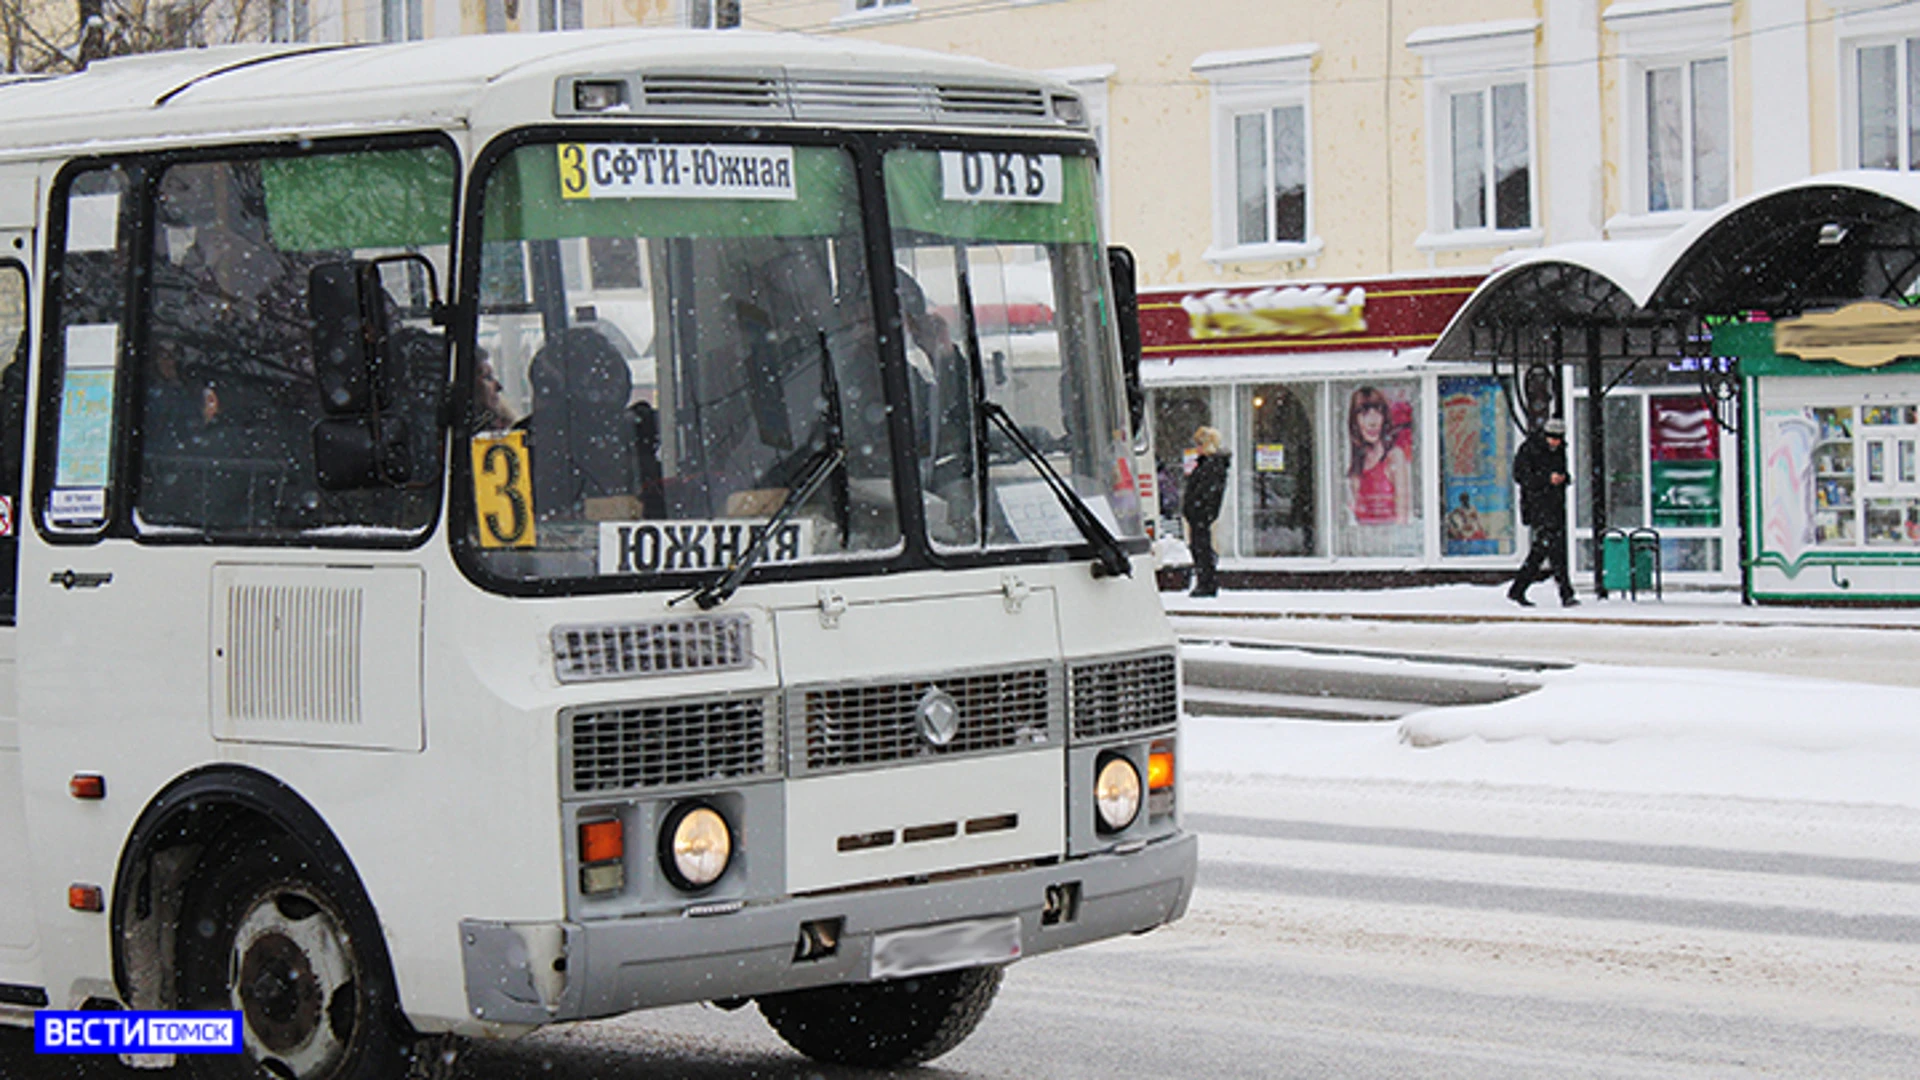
{"type": "Point", "coordinates": [1379, 499]}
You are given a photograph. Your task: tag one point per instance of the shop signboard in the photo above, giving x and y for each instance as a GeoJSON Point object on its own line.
{"type": "Point", "coordinates": [1300, 317]}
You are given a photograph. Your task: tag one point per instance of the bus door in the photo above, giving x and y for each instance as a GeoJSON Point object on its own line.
{"type": "Point", "coordinates": [16, 907]}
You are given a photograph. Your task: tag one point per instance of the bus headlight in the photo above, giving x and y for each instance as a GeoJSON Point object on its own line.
{"type": "Point", "coordinates": [1116, 792]}
{"type": "Point", "coordinates": [695, 846]}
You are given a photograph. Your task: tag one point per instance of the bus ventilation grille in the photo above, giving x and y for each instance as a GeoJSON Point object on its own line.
{"type": "Point", "coordinates": [705, 91]}
{"type": "Point", "coordinates": [669, 744]}
{"type": "Point", "coordinates": [293, 653]}
{"type": "Point", "coordinates": [850, 726]}
{"type": "Point", "coordinates": [827, 97]}
{"type": "Point", "coordinates": [1002, 101]}
{"type": "Point", "coordinates": [1120, 697]}
{"type": "Point", "coordinates": [668, 647]}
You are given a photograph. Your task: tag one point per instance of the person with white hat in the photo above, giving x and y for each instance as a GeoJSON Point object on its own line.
{"type": "Point", "coordinates": [1540, 468]}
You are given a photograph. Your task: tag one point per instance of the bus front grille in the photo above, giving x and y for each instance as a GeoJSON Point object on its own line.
{"type": "Point", "coordinates": [1124, 696]}
{"type": "Point", "coordinates": [661, 647]}
{"type": "Point", "coordinates": [848, 726]}
{"type": "Point", "coordinates": [642, 747]}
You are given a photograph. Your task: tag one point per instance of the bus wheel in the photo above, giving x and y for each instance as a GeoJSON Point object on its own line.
{"type": "Point", "coordinates": [270, 933]}
{"type": "Point", "coordinates": [883, 1025]}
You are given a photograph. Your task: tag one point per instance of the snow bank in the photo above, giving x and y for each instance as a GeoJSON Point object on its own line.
{"type": "Point", "coordinates": [1602, 704]}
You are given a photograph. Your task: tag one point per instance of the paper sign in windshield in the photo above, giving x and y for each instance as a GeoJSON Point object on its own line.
{"type": "Point", "coordinates": [1000, 176]}
{"type": "Point", "coordinates": [665, 171]}
{"type": "Point", "coordinates": [670, 547]}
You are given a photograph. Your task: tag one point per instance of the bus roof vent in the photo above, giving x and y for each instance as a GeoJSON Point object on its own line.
{"type": "Point", "coordinates": [637, 649]}
{"type": "Point", "coordinates": [705, 92]}
{"type": "Point", "coordinates": [832, 97]}
{"type": "Point", "coordinates": [996, 102]}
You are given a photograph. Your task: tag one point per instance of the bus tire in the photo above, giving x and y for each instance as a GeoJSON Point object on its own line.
{"type": "Point", "coordinates": [270, 931]}
{"type": "Point", "coordinates": [883, 1025]}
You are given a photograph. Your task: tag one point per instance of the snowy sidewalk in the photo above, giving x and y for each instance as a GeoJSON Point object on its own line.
{"type": "Point", "coordinates": [1489, 603]}
{"type": "Point", "coordinates": [1696, 696]}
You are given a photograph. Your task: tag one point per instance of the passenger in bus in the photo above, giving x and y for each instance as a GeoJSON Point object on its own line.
{"type": "Point", "coordinates": [580, 434]}
{"type": "Point", "coordinates": [487, 410]}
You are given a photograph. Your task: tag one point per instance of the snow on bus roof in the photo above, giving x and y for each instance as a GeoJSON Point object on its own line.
{"type": "Point", "coordinates": [261, 88]}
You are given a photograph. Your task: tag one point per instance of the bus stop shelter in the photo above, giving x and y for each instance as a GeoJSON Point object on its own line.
{"type": "Point", "coordinates": [1707, 300]}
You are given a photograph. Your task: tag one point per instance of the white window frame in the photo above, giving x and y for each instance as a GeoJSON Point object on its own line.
{"type": "Point", "coordinates": [1090, 83]}
{"type": "Point", "coordinates": [413, 16]}
{"type": "Point", "coordinates": [1864, 24]}
{"type": "Point", "coordinates": [1655, 34]}
{"type": "Point", "coordinates": [879, 11]}
{"type": "Point", "coordinates": [1469, 58]}
{"type": "Point", "coordinates": [1246, 81]}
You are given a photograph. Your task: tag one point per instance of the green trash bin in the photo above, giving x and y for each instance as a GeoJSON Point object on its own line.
{"type": "Point", "coordinates": [1616, 561]}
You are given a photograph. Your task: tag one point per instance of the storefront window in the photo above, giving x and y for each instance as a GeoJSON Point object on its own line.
{"type": "Point", "coordinates": [1476, 461]}
{"type": "Point", "coordinates": [1626, 465]}
{"type": "Point", "coordinates": [1376, 494]}
{"type": "Point", "coordinates": [1278, 506]}
{"type": "Point", "coordinates": [1177, 413]}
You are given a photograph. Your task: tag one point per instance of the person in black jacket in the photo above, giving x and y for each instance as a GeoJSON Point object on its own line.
{"type": "Point", "coordinates": [1540, 468]}
{"type": "Point", "coordinates": [1200, 505]}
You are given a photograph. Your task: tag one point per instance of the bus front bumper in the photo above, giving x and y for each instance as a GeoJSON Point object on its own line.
{"type": "Point", "coordinates": [539, 973]}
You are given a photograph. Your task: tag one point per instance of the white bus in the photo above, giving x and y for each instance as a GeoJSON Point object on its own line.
{"type": "Point", "coordinates": [521, 529]}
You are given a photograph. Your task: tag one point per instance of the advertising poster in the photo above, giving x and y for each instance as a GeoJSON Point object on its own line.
{"type": "Point", "coordinates": [1685, 451]}
{"type": "Point", "coordinates": [1379, 499]}
{"type": "Point", "coordinates": [1475, 465]}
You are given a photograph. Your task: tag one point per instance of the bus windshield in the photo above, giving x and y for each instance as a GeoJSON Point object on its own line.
{"type": "Point", "coordinates": [1002, 290]}
{"type": "Point", "coordinates": [671, 337]}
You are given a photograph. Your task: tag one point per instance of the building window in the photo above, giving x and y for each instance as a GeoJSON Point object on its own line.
{"type": "Point", "coordinates": [1688, 132]}
{"type": "Point", "coordinates": [287, 20]}
{"type": "Point", "coordinates": [1263, 167]}
{"type": "Point", "coordinates": [1675, 108]}
{"type": "Point", "coordinates": [402, 20]}
{"type": "Point", "coordinates": [1479, 132]}
{"type": "Point", "coordinates": [713, 14]}
{"type": "Point", "coordinates": [562, 15]}
{"type": "Point", "coordinates": [1270, 175]}
{"type": "Point", "coordinates": [1887, 105]}
{"type": "Point", "coordinates": [1491, 158]}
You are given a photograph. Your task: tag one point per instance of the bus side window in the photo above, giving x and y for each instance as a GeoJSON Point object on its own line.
{"type": "Point", "coordinates": [13, 417]}
{"type": "Point", "coordinates": [82, 353]}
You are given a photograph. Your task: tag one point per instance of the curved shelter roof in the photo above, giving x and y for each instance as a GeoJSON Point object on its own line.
{"type": "Point", "coordinates": [1819, 242]}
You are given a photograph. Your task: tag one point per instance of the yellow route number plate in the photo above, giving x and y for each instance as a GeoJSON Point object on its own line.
{"type": "Point", "coordinates": [503, 490]}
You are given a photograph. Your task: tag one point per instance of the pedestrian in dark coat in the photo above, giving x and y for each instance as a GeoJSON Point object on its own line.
{"type": "Point", "coordinates": [1540, 468]}
{"type": "Point", "coordinates": [1200, 505]}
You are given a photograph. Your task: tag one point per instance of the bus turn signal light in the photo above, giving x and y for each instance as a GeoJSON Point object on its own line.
{"type": "Point", "coordinates": [602, 841]}
{"type": "Point", "coordinates": [86, 785]}
{"type": "Point", "coordinates": [1160, 768]}
{"type": "Point", "coordinates": [86, 898]}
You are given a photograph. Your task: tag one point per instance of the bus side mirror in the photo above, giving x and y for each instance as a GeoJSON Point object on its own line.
{"type": "Point", "coordinates": [349, 313]}
{"type": "Point", "coordinates": [377, 384]}
{"type": "Point", "coordinates": [1126, 308]}
{"type": "Point", "coordinates": [356, 453]}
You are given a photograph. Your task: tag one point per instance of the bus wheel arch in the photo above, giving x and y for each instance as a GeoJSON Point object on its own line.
{"type": "Point", "coordinates": [228, 858]}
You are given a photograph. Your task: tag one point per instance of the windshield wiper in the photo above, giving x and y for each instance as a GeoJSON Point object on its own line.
{"type": "Point", "coordinates": [1110, 559]}
{"type": "Point", "coordinates": [824, 462]}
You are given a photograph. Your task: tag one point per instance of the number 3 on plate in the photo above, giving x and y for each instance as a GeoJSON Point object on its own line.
{"type": "Point", "coordinates": [503, 490]}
